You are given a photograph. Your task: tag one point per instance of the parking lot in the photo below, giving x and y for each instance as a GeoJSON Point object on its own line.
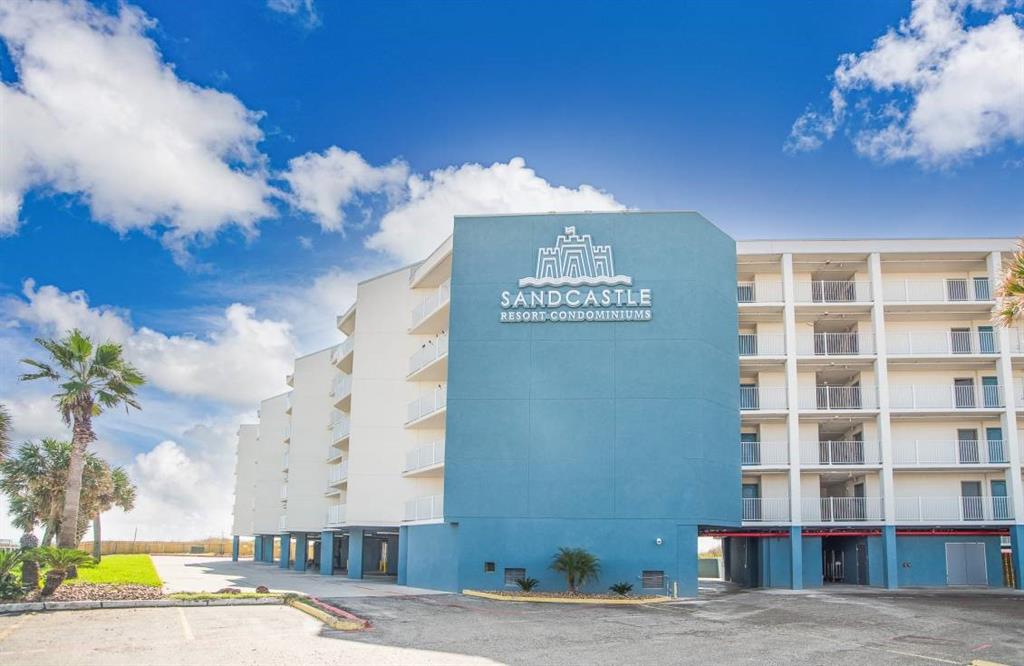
{"type": "Point", "coordinates": [836, 627]}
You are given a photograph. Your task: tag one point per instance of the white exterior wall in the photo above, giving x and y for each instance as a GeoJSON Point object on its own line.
{"type": "Point", "coordinates": [270, 448]}
{"type": "Point", "coordinates": [245, 480]}
{"type": "Point", "coordinates": [310, 437]}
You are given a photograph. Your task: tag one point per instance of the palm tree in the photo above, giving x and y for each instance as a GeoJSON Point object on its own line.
{"type": "Point", "coordinates": [90, 379]}
{"type": "Point", "coordinates": [60, 561]}
{"type": "Point", "coordinates": [1011, 290]}
{"type": "Point", "coordinates": [5, 432]}
{"type": "Point", "coordinates": [578, 565]}
{"type": "Point", "coordinates": [120, 493]}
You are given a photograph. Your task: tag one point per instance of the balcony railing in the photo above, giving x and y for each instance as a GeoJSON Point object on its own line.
{"type": "Point", "coordinates": [333, 452]}
{"type": "Point", "coordinates": [937, 290]}
{"type": "Point", "coordinates": [829, 398]}
{"type": "Point", "coordinates": [941, 343]}
{"type": "Point", "coordinates": [425, 456]}
{"type": "Point", "coordinates": [762, 345]}
{"type": "Point", "coordinates": [764, 453]}
{"type": "Point", "coordinates": [425, 508]}
{"type": "Point", "coordinates": [840, 453]}
{"type": "Point", "coordinates": [766, 509]}
{"type": "Point", "coordinates": [833, 291]}
{"type": "Point", "coordinates": [956, 396]}
{"type": "Point", "coordinates": [429, 352]}
{"type": "Point", "coordinates": [763, 291]}
{"type": "Point", "coordinates": [284, 492]}
{"type": "Point", "coordinates": [835, 344]}
{"type": "Point", "coordinates": [341, 427]}
{"type": "Point", "coordinates": [336, 514]}
{"type": "Point", "coordinates": [953, 509]}
{"type": "Point", "coordinates": [337, 473]}
{"type": "Point", "coordinates": [342, 350]}
{"type": "Point", "coordinates": [284, 462]}
{"type": "Point", "coordinates": [342, 386]}
{"type": "Point", "coordinates": [433, 301]}
{"type": "Point", "coordinates": [759, 398]}
{"type": "Point", "coordinates": [427, 404]}
{"type": "Point", "coordinates": [920, 452]}
{"type": "Point", "coordinates": [841, 509]}
{"type": "Point", "coordinates": [282, 524]}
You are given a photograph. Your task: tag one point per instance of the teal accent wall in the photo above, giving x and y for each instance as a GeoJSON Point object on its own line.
{"type": "Point", "coordinates": [926, 557]}
{"type": "Point", "coordinates": [327, 553]}
{"type": "Point", "coordinates": [606, 435]}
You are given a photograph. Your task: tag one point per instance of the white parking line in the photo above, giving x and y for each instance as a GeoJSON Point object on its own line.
{"type": "Point", "coordinates": [185, 628]}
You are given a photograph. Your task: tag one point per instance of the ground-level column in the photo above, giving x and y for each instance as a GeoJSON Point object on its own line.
{"type": "Point", "coordinates": [268, 548]}
{"type": "Point", "coordinates": [257, 548]}
{"type": "Point", "coordinates": [403, 553]}
{"type": "Point", "coordinates": [686, 563]}
{"type": "Point", "coordinates": [234, 549]}
{"type": "Point", "coordinates": [891, 564]}
{"type": "Point", "coordinates": [355, 552]}
{"type": "Point", "coordinates": [1017, 554]}
{"type": "Point", "coordinates": [327, 552]}
{"type": "Point", "coordinates": [796, 557]}
{"type": "Point", "coordinates": [286, 547]}
{"type": "Point", "coordinates": [301, 551]}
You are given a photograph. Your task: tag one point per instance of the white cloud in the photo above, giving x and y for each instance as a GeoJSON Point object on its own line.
{"type": "Point", "coordinates": [323, 184]}
{"type": "Point", "coordinates": [96, 112]}
{"type": "Point", "coordinates": [935, 90]}
{"type": "Point", "coordinates": [302, 9]}
{"type": "Point", "coordinates": [242, 360]}
{"type": "Point", "coordinates": [423, 218]}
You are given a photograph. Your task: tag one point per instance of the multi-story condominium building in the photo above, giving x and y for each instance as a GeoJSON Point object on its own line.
{"type": "Point", "coordinates": [542, 381]}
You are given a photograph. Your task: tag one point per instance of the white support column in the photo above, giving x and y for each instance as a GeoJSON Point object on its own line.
{"type": "Point", "coordinates": [882, 378]}
{"type": "Point", "coordinates": [1004, 370]}
{"type": "Point", "coordinates": [792, 392]}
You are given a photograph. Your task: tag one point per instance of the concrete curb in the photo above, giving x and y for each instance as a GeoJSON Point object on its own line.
{"type": "Point", "coordinates": [566, 600]}
{"type": "Point", "coordinates": [34, 607]}
{"type": "Point", "coordinates": [348, 621]}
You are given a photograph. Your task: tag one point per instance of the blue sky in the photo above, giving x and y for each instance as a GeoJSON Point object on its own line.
{"type": "Point", "coordinates": [659, 105]}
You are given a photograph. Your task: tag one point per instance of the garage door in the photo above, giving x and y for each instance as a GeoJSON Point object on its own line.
{"type": "Point", "coordinates": [965, 564]}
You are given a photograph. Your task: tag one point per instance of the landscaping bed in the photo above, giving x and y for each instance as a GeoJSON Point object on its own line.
{"type": "Point", "coordinates": [84, 591]}
{"type": "Point", "coordinates": [572, 595]}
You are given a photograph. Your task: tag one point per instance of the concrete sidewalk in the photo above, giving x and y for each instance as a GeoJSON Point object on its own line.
{"type": "Point", "coordinates": [208, 574]}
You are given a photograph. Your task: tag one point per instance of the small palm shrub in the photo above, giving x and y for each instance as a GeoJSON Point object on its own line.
{"type": "Point", "coordinates": [579, 566]}
{"type": "Point", "coordinates": [621, 589]}
{"type": "Point", "coordinates": [527, 584]}
{"type": "Point", "coordinates": [59, 561]}
{"type": "Point", "coordinates": [10, 589]}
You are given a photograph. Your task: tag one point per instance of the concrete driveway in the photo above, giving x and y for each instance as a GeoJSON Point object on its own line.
{"type": "Point", "coordinates": [209, 574]}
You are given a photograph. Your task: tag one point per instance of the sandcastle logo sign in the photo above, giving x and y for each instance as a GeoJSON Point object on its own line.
{"type": "Point", "coordinates": [575, 281]}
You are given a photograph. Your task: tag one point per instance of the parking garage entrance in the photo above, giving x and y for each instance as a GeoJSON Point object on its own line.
{"type": "Point", "coordinates": [844, 559]}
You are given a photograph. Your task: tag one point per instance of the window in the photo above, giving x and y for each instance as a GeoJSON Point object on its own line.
{"type": "Point", "coordinates": [652, 580]}
{"type": "Point", "coordinates": [512, 574]}
{"type": "Point", "coordinates": [488, 567]}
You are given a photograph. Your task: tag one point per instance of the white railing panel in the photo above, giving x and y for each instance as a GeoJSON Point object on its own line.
{"type": "Point", "coordinates": [341, 427]}
{"type": "Point", "coordinates": [336, 514]}
{"type": "Point", "coordinates": [953, 509]}
{"type": "Point", "coordinates": [766, 509]}
{"type": "Point", "coordinates": [341, 386]}
{"type": "Point", "coordinates": [337, 473]}
{"type": "Point", "coordinates": [284, 492]}
{"type": "Point", "coordinates": [753, 398]}
{"type": "Point", "coordinates": [841, 509]}
{"type": "Point", "coordinates": [833, 291]}
{"type": "Point", "coordinates": [751, 344]}
{"type": "Point", "coordinates": [764, 453]}
{"type": "Point", "coordinates": [941, 343]}
{"type": "Point", "coordinates": [937, 290]}
{"type": "Point", "coordinates": [427, 403]}
{"type": "Point", "coordinates": [833, 452]}
{"type": "Point", "coordinates": [282, 523]}
{"type": "Point", "coordinates": [948, 452]}
{"type": "Point", "coordinates": [425, 456]}
{"type": "Point", "coordinates": [828, 398]}
{"type": "Point", "coordinates": [835, 344]}
{"type": "Point", "coordinates": [431, 302]}
{"type": "Point", "coordinates": [918, 396]}
{"type": "Point", "coordinates": [430, 351]}
{"type": "Point", "coordinates": [762, 291]}
{"type": "Point", "coordinates": [430, 507]}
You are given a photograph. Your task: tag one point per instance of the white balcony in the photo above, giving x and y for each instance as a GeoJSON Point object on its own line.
{"type": "Point", "coordinates": [424, 457]}
{"type": "Point", "coordinates": [833, 453]}
{"type": "Point", "coordinates": [288, 403]}
{"type": "Point", "coordinates": [336, 514]}
{"type": "Point", "coordinates": [282, 524]}
{"type": "Point", "coordinates": [341, 387]}
{"type": "Point", "coordinates": [284, 463]}
{"type": "Point", "coordinates": [833, 291]}
{"type": "Point", "coordinates": [766, 509]}
{"type": "Point", "coordinates": [337, 474]}
{"type": "Point", "coordinates": [841, 509]}
{"type": "Point", "coordinates": [341, 353]}
{"type": "Point", "coordinates": [941, 510]}
{"type": "Point", "coordinates": [764, 454]}
{"type": "Point", "coordinates": [838, 398]}
{"type": "Point", "coordinates": [951, 397]}
{"type": "Point", "coordinates": [424, 508]}
{"type": "Point", "coordinates": [431, 305]}
{"type": "Point", "coordinates": [762, 291]}
{"type": "Point", "coordinates": [284, 492]}
{"type": "Point", "coordinates": [341, 427]}
{"type": "Point", "coordinates": [953, 342]}
{"type": "Point", "coordinates": [333, 453]}
{"type": "Point", "coordinates": [431, 351]}
{"type": "Point", "coordinates": [949, 452]}
{"type": "Point", "coordinates": [835, 344]}
{"type": "Point", "coordinates": [762, 398]}
{"type": "Point", "coordinates": [751, 344]}
{"type": "Point", "coordinates": [426, 405]}
{"type": "Point", "coordinates": [937, 290]}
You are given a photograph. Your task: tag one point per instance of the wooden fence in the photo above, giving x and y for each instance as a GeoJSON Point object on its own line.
{"type": "Point", "coordinates": [203, 546]}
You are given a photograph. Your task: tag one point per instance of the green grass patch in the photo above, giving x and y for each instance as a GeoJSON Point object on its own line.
{"type": "Point", "coordinates": [210, 596]}
{"type": "Point", "coordinates": [118, 570]}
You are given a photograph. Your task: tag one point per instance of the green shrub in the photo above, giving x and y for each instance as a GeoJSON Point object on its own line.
{"type": "Point", "coordinates": [621, 589]}
{"type": "Point", "coordinates": [579, 566]}
{"type": "Point", "coordinates": [10, 588]}
{"type": "Point", "coordinates": [527, 584]}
